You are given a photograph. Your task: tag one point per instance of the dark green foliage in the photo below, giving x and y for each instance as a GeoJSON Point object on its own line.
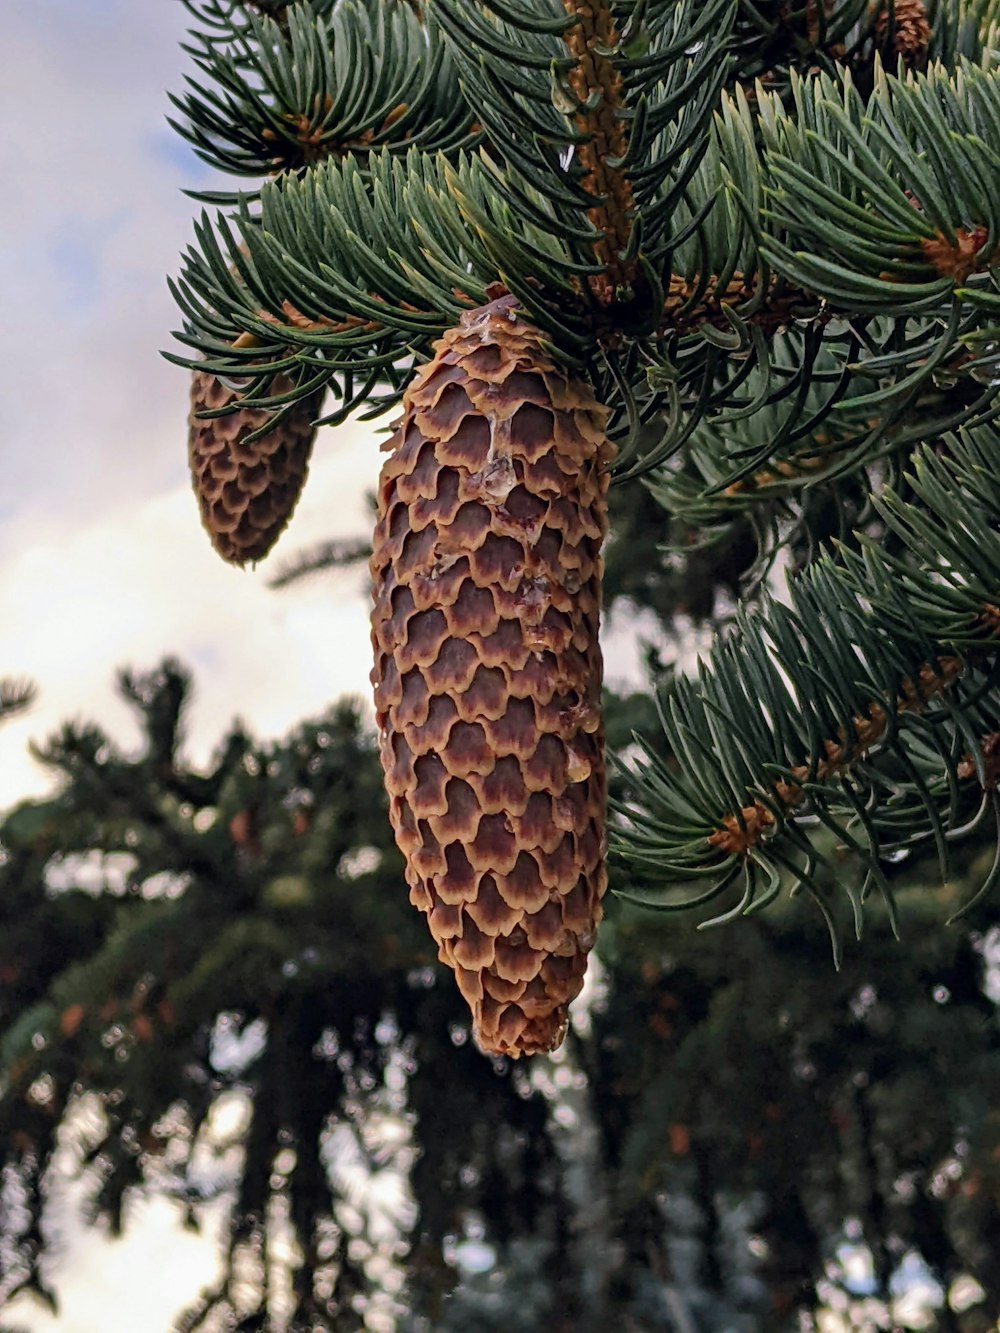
{"type": "Point", "coordinates": [855, 705]}
{"type": "Point", "coordinates": [775, 38]}
{"type": "Point", "coordinates": [821, 1102]}
{"type": "Point", "coordinates": [717, 203]}
{"type": "Point", "coordinates": [15, 695]}
{"type": "Point", "coordinates": [345, 79]}
{"type": "Point", "coordinates": [514, 68]}
{"type": "Point", "coordinates": [240, 937]}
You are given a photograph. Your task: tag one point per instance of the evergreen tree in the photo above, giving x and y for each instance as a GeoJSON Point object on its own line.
{"type": "Point", "coordinates": [171, 938]}
{"type": "Point", "coordinates": [741, 256]}
{"type": "Point", "coordinates": [211, 985]}
{"type": "Point", "coordinates": [749, 250]}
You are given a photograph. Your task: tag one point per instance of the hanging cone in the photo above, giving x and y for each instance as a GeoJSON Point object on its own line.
{"type": "Point", "coordinates": [487, 573]}
{"type": "Point", "coordinates": [247, 491]}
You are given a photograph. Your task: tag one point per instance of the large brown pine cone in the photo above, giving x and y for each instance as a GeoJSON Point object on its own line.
{"type": "Point", "coordinates": [487, 573]}
{"type": "Point", "coordinates": [246, 492]}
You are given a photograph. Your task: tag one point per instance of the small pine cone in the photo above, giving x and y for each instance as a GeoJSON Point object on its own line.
{"type": "Point", "coordinates": [487, 574]}
{"type": "Point", "coordinates": [247, 492]}
{"type": "Point", "coordinates": [911, 32]}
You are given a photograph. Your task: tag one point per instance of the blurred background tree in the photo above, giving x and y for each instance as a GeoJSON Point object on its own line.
{"type": "Point", "coordinates": [212, 986]}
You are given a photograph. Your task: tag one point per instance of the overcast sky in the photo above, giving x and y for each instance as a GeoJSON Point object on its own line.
{"type": "Point", "coordinates": [102, 558]}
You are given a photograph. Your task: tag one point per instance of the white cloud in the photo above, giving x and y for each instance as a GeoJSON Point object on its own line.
{"type": "Point", "coordinates": [143, 583]}
{"type": "Point", "coordinates": [102, 561]}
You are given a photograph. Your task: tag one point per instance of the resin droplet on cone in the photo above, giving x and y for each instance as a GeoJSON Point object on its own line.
{"type": "Point", "coordinates": [487, 573]}
{"type": "Point", "coordinates": [247, 491]}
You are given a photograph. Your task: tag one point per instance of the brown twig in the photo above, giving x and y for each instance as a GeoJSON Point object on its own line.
{"type": "Point", "coordinates": [597, 87]}
{"type": "Point", "coordinates": [960, 258]}
{"type": "Point", "coordinates": [740, 834]}
{"type": "Point", "coordinates": [783, 303]}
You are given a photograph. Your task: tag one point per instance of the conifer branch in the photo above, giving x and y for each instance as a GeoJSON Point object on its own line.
{"type": "Point", "coordinates": [321, 559]}
{"type": "Point", "coordinates": [15, 696]}
{"type": "Point", "coordinates": [824, 34]}
{"type": "Point", "coordinates": [864, 705]}
{"type": "Point", "coordinates": [298, 85]}
{"type": "Point", "coordinates": [741, 833]}
{"type": "Point", "coordinates": [693, 304]}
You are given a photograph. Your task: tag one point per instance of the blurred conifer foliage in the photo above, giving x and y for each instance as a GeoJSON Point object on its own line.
{"type": "Point", "coordinates": [212, 988]}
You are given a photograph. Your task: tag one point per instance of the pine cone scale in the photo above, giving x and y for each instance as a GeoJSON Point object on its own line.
{"type": "Point", "coordinates": [486, 565]}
